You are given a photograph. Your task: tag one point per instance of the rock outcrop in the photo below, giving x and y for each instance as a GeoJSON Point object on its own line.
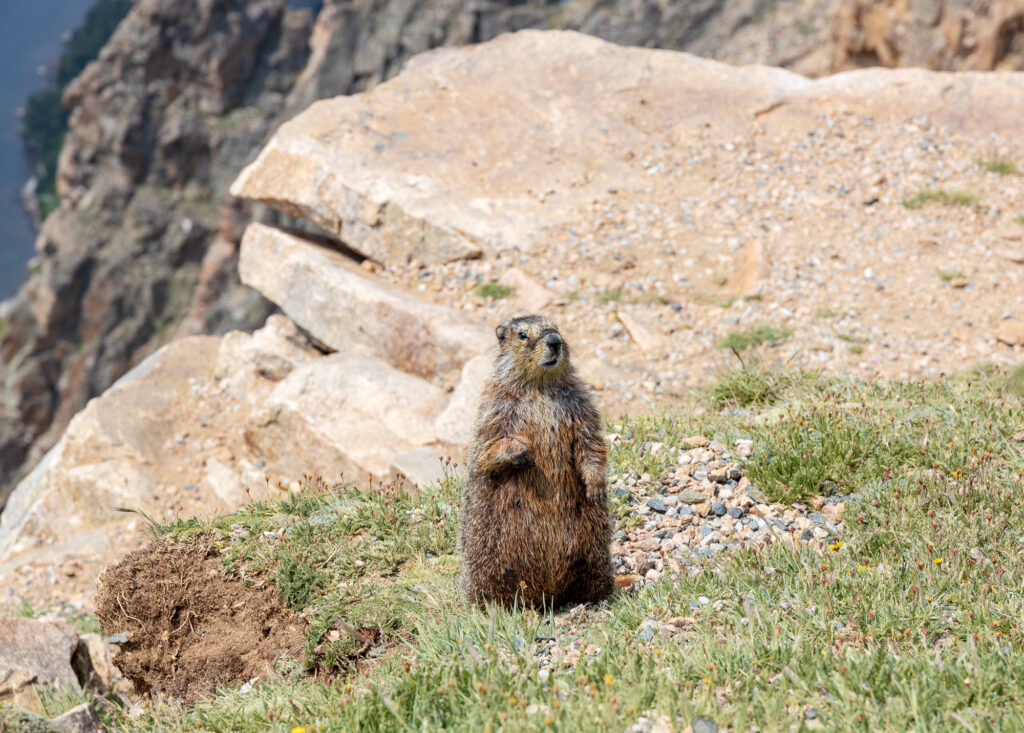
{"type": "Point", "coordinates": [144, 246]}
{"type": "Point", "coordinates": [960, 35]}
{"type": "Point", "coordinates": [49, 655]}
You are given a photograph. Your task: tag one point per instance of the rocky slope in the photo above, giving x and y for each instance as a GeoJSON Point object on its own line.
{"type": "Point", "coordinates": [654, 203]}
{"type": "Point", "coordinates": [144, 245]}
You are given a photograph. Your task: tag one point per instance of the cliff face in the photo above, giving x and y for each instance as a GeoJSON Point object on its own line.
{"type": "Point", "coordinates": [140, 248]}
{"type": "Point", "coordinates": [144, 245]}
{"type": "Point", "coordinates": [954, 35]}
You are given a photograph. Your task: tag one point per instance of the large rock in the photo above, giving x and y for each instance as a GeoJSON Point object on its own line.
{"type": "Point", "coordinates": [167, 437]}
{"type": "Point", "coordinates": [350, 412]}
{"type": "Point", "coordinates": [36, 655]}
{"type": "Point", "coordinates": [343, 306]}
{"type": "Point", "coordinates": [495, 172]}
{"type": "Point", "coordinates": [455, 424]}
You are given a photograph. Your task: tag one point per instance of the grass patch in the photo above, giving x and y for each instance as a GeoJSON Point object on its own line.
{"type": "Point", "coordinates": [740, 341]}
{"type": "Point", "coordinates": [942, 196]}
{"type": "Point", "coordinates": [756, 385]}
{"type": "Point", "coordinates": [998, 164]}
{"type": "Point", "coordinates": [912, 622]}
{"type": "Point", "coordinates": [610, 296]}
{"type": "Point", "coordinates": [494, 290]}
{"type": "Point", "coordinates": [950, 275]}
{"type": "Point", "coordinates": [825, 313]}
{"type": "Point", "coordinates": [1019, 220]}
{"type": "Point", "coordinates": [852, 338]}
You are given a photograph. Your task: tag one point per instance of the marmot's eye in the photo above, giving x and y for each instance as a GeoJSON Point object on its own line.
{"type": "Point", "coordinates": [522, 335]}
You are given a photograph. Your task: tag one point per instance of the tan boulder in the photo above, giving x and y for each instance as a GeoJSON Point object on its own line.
{"type": "Point", "coordinates": [433, 165]}
{"type": "Point", "coordinates": [344, 307]}
{"type": "Point", "coordinates": [644, 332]}
{"type": "Point", "coordinates": [36, 655]}
{"type": "Point", "coordinates": [347, 412]}
{"type": "Point", "coordinates": [1010, 333]}
{"type": "Point", "coordinates": [455, 423]}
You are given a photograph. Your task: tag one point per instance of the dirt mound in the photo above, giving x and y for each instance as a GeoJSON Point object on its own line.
{"type": "Point", "coordinates": [189, 627]}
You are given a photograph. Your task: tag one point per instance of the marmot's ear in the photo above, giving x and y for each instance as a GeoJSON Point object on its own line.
{"type": "Point", "coordinates": [501, 331]}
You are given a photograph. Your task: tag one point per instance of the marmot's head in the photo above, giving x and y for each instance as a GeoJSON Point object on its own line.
{"type": "Point", "coordinates": [531, 349]}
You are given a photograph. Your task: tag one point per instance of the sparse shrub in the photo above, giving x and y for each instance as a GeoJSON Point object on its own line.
{"type": "Point", "coordinates": [942, 196]}
{"type": "Point", "coordinates": [950, 275]}
{"type": "Point", "coordinates": [998, 164]}
{"type": "Point", "coordinates": [755, 385]}
{"type": "Point", "coordinates": [494, 290]}
{"type": "Point", "coordinates": [740, 341]}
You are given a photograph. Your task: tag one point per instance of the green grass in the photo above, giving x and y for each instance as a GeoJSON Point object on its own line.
{"type": "Point", "coordinates": [942, 196]}
{"type": "Point", "coordinates": [755, 385]}
{"type": "Point", "coordinates": [740, 341]}
{"type": "Point", "coordinates": [610, 296]}
{"type": "Point", "coordinates": [1019, 220]}
{"type": "Point", "coordinates": [915, 621]}
{"type": "Point", "coordinates": [998, 164]}
{"type": "Point", "coordinates": [950, 275]}
{"type": "Point", "coordinates": [825, 313]}
{"type": "Point", "coordinates": [494, 290]}
{"type": "Point", "coordinates": [852, 338]}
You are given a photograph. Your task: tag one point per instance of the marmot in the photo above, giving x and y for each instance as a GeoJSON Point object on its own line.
{"type": "Point", "coordinates": [535, 527]}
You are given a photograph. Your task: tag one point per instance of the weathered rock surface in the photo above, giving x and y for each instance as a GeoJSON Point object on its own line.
{"type": "Point", "coordinates": [144, 244]}
{"type": "Point", "coordinates": [552, 142]}
{"type": "Point", "coordinates": [38, 655]}
{"type": "Point", "coordinates": [205, 425]}
{"type": "Point", "coordinates": [455, 423]}
{"type": "Point", "coordinates": [343, 306]}
{"type": "Point", "coordinates": [961, 35]}
{"type": "Point", "coordinates": [349, 412]}
{"type": "Point", "coordinates": [79, 719]}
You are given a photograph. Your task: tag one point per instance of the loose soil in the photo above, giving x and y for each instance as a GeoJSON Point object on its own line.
{"type": "Point", "coordinates": [190, 627]}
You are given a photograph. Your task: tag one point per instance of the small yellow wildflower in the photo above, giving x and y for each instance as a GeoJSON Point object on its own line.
{"type": "Point", "coordinates": [299, 730]}
{"type": "Point", "coordinates": [608, 679]}
{"type": "Point", "coordinates": [937, 561]}
{"type": "Point", "coordinates": [836, 545]}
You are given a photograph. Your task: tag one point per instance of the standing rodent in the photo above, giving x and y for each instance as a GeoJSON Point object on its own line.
{"type": "Point", "coordinates": [535, 527]}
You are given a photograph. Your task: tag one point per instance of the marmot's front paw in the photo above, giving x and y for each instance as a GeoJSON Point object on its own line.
{"type": "Point", "coordinates": [596, 490]}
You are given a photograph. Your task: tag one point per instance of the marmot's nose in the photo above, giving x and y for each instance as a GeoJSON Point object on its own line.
{"type": "Point", "coordinates": [553, 340]}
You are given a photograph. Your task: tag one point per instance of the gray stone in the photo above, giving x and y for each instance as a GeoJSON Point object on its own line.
{"type": "Point", "coordinates": [656, 504]}
{"type": "Point", "coordinates": [704, 725]}
{"type": "Point", "coordinates": [421, 466]}
{"type": "Point", "coordinates": [756, 494]}
{"type": "Point", "coordinates": [79, 719]}
{"type": "Point", "coordinates": [718, 508]}
{"type": "Point", "coordinates": [735, 512]}
{"type": "Point", "coordinates": [37, 654]}
{"type": "Point", "coordinates": [691, 496]}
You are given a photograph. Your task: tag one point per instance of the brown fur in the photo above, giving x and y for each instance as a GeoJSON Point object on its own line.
{"type": "Point", "coordinates": [535, 526]}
